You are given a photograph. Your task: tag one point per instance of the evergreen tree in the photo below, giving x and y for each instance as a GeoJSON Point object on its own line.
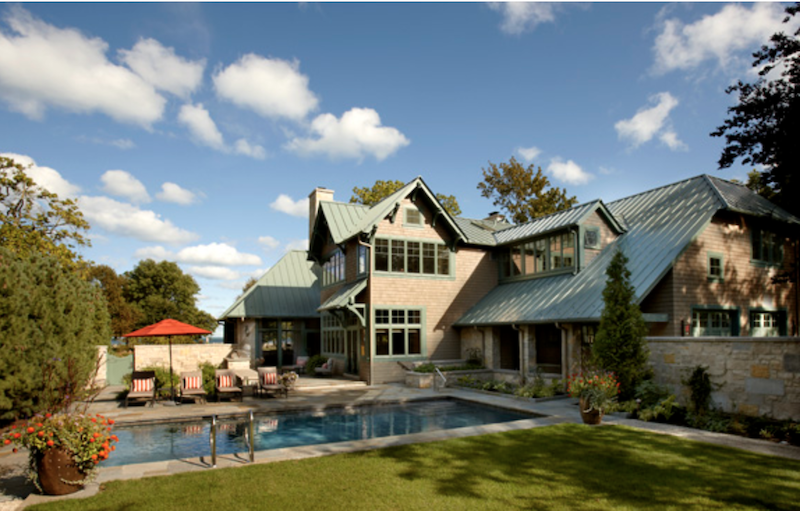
{"type": "Point", "coordinates": [51, 322]}
{"type": "Point", "coordinates": [619, 344]}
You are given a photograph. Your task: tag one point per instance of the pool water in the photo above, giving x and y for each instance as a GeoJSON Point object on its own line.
{"type": "Point", "coordinates": [162, 442]}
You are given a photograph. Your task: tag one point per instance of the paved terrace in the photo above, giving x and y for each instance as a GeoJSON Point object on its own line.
{"type": "Point", "coordinates": [318, 394]}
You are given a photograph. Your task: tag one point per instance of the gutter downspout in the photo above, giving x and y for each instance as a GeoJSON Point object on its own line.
{"type": "Point", "coordinates": [368, 328]}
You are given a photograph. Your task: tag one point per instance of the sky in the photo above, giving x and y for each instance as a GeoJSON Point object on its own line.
{"type": "Point", "coordinates": [194, 133]}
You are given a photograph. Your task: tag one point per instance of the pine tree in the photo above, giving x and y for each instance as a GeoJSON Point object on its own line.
{"type": "Point", "coordinates": [51, 322]}
{"type": "Point", "coordinates": [619, 344]}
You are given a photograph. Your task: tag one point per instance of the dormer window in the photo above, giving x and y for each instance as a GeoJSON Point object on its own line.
{"type": "Point", "coordinates": [591, 238]}
{"type": "Point", "coordinates": [413, 217]}
{"type": "Point", "coordinates": [546, 255]}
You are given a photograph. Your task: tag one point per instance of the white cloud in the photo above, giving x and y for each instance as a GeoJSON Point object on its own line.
{"type": "Point", "coordinates": [297, 245]}
{"type": "Point", "coordinates": [123, 184]}
{"type": "Point", "coordinates": [286, 204]}
{"type": "Point", "coordinates": [244, 147]}
{"type": "Point", "coordinates": [214, 272]}
{"type": "Point", "coordinates": [201, 126]}
{"type": "Point", "coordinates": [519, 17]}
{"type": "Point", "coordinates": [670, 139]}
{"type": "Point", "coordinates": [356, 135]}
{"type": "Point", "coordinates": [728, 35]}
{"type": "Point", "coordinates": [170, 192]}
{"type": "Point", "coordinates": [569, 172]}
{"type": "Point", "coordinates": [529, 153]}
{"type": "Point", "coordinates": [45, 177]}
{"type": "Point", "coordinates": [123, 143]}
{"type": "Point", "coordinates": [157, 253]}
{"type": "Point", "coordinates": [128, 220]}
{"type": "Point", "coordinates": [162, 68]}
{"type": "Point", "coordinates": [45, 66]}
{"type": "Point", "coordinates": [272, 88]}
{"type": "Point", "coordinates": [218, 254]}
{"type": "Point", "coordinates": [648, 122]}
{"type": "Point", "coordinates": [268, 242]}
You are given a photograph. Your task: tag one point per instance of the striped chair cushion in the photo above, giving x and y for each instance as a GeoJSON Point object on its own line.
{"type": "Point", "coordinates": [192, 382]}
{"type": "Point", "coordinates": [224, 380]}
{"type": "Point", "coordinates": [143, 385]}
{"type": "Point", "coordinates": [270, 378]}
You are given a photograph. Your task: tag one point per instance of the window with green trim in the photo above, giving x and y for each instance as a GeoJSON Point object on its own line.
{"type": "Point", "coordinates": [413, 217]}
{"type": "Point", "coordinates": [333, 270]}
{"type": "Point", "coordinates": [767, 247]}
{"type": "Point", "coordinates": [363, 259]}
{"type": "Point", "coordinates": [715, 267]}
{"type": "Point", "coordinates": [591, 238]}
{"type": "Point", "coordinates": [543, 255]}
{"type": "Point", "coordinates": [767, 323]}
{"type": "Point", "coordinates": [332, 334]}
{"type": "Point", "coordinates": [412, 257]}
{"type": "Point", "coordinates": [398, 332]}
{"type": "Point", "coordinates": [712, 323]}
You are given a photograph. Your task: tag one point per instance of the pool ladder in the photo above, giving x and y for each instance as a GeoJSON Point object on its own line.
{"type": "Point", "coordinates": [444, 380]}
{"type": "Point", "coordinates": [249, 437]}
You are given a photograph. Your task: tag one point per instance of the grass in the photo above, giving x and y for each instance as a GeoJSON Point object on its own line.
{"type": "Point", "coordinates": [560, 467]}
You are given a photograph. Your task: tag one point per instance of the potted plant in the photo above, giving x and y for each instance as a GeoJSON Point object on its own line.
{"type": "Point", "coordinates": [596, 392]}
{"type": "Point", "coordinates": [64, 448]}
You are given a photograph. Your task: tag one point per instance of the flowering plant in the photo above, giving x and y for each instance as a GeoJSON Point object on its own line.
{"type": "Point", "coordinates": [597, 390]}
{"type": "Point", "coordinates": [86, 437]}
{"type": "Point", "coordinates": [288, 379]}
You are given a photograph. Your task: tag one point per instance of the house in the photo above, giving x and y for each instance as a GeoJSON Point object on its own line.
{"type": "Point", "coordinates": [403, 281]}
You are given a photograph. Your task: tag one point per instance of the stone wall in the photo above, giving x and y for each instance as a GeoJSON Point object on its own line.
{"type": "Point", "coordinates": [102, 367]}
{"type": "Point", "coordinates": [185, 357]}
{"type": "Point", "coordinates": [758, 376]}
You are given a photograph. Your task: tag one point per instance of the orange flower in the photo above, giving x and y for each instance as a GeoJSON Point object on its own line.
{"type": "Point", "coordinates": [50, 443]}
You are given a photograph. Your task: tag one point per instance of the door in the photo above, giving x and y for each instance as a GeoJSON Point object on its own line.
{"type": "Point", "coordinates": [548, 348]}
{"type": "Point", "coordinates": [351, 350]}
{"type": "Point", "coordinates": [509, 348]}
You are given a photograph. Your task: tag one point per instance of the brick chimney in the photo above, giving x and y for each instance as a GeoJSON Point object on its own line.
{"type": "Point", "coordinates": [495, 216]}
{"type": "Point", "coordinates": [318, 195]}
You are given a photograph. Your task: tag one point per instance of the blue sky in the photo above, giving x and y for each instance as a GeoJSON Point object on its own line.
{"type": "Point", "coordinates": [195, 132]}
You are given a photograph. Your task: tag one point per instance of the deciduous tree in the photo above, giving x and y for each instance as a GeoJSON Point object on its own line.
{"type": "Point", "coordinates": [764, 126]}
{"type": "Point", "coordinates": [34, 220]}
{"type": "Point", "coordinates": [124, 316]}
{"type": "Point", "coordinates": [521, 193]}
{"type": "Point", "coordinates": [382, 189]}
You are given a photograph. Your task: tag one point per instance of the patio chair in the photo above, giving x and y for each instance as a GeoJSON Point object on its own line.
{"type": "Point", "coordinates": [192, 385]}
{"type": "Point", "coordinates": [325, 369]}
{"type": "Point", "coordinates": [226, 381]}
{"type": "Point", "coordinates": [268, 381]}
{"type": "Point", "coordinates": [301, 364]}
{"type": "Point", "coordinates": [143, 386]}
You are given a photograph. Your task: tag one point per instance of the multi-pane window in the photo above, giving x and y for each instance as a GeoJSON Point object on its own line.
{"type": "Point", "coordinates": [412, 257]}
{"type": "Point", "coordinates": [413, 217]}
{"type": "Point", "coordinates": [767, 247]}
{"type": "Point", "coordinates": [715, 267]}
{"type": "Point", "coordinates": [712, 323]}
{"type": "Point", "coordinates": [767, 324]}
{"type": "Point", "coordinates": [333, 269]}
{"type": "Point", "coordinates": [398, 332]}
{"type": "Point", "coordinates": [539, 256]}
{"type": "Point", "coordinates": [332, 334]}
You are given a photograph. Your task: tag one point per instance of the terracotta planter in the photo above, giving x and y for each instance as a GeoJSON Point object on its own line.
{"type": "Point", "coordinates": [58, 472]}
{"type": "Point", "coordinates": [592, 417]}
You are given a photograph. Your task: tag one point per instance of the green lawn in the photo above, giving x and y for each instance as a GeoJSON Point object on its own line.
{"type": "Point", "coordinates": [561, 467]}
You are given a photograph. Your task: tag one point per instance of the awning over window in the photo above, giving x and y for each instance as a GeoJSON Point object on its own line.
{"type": "Point", "coordinates": [345, 297]}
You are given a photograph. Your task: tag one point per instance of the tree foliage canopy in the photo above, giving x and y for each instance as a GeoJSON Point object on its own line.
{"type": "Point", "coordinates": [619, 344]}
{"type": "Point", "coordinates": [34, 220]}
{"type": "Point", "coordinates": [764, 126]}
{"type": "Point", "coordinates": [51, 321]}
{"type": "Point", "coordinates": [160, 291]}
{"type": "Point", "coordinates": [123, 315]}
{"type": "Point", "coordinates": [521, 193]}
{"type": "Point", "coordinates": [382, 189]}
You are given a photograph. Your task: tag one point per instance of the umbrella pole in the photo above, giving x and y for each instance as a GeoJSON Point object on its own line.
{"type": "Point", "coordinates": [171, 382]}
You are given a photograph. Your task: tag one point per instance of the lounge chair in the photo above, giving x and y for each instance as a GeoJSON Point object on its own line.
{"type": "Point", "coordinates": [143, 386]}
{"type": "Point", "coordinates": [192, 385]}
{"type": "Point", "coordinates": [325, 369]}
{"type": "Point", "coordinates": [269, 381]}
{"type": "Point", "coordinates": [226, 381]}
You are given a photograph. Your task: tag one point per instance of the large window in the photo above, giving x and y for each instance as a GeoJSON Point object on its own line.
{"type": "Point", "coordinates": [714, 323]}
{"type": "Point", "coordinates": [278, 340]}
{"type": "Point", "coordinates": [767, 323]}
{"type": "Point", "coordinates": [333, 269]}
{"type": "Point", "coordinates": [398, 332]}
{"type": "Point", "coordinates": [332, 334]}
{"type": "Point", "coordinates": [412, 257]}
{"type": "Point", "coordinates": [544, 255]}
{"type": "Point", "coordinates": [767, 247]}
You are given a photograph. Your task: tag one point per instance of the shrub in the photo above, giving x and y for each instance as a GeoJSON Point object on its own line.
{"type": "Point", "coordinates": [162, 380]}
{"type": "Point", "coordinates": [314, 362]}
{"type": "Point", "coordinates": [209, 372]}
{"type": "Point", "coordinates": [700, 387]}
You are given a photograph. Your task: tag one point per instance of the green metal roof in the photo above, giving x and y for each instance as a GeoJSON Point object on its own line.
{"type": "Point", "coordinates": [343, 219]}
{"type": "Point", "coordinates": [290, 289]}
{"type": "Point", "coordinates": [661, 223]}
{"type": "Point", "coordinates": [345, 296]}
{"type": "Point", "coordinates": [480, 232]}
{"type": "Point", "coordinates": [740, 199]}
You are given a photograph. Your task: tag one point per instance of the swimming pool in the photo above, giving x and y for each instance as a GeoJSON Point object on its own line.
{"type": "Point", "coordinates": [163, 442]}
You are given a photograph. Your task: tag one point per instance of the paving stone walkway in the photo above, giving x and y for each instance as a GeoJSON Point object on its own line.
{"type": "Point", "coordinates": [320, 394]}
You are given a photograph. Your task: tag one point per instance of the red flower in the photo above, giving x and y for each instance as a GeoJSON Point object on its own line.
{"type": "Point", "coordinates": [17, 435]}
{"type": "Point", "coordinates": [6, 441]}
{"type": "Point", "coordinates": [50, 443]}
{"type": "Point", "coordinates": [94, 456]}
{"type": "Point", "coordinates": [91, 440]}
{"type": "Point", "coordinates": [111, 421]}
{"type": "Point", "coordinates": [31, 430]}
{"type": "Point", "coordinates": [48, 415]}
{"type": "Point", "coordinates": [40, 434]}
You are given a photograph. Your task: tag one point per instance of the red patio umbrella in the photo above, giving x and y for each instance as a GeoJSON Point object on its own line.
{"type": "Point", "coordinates": [168, 328]}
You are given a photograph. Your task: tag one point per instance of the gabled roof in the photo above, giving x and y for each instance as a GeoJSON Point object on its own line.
{"type": "Point", "coordinates": [290, 289]}
{"type": "Point", "coordinates": [556, 221]}
{"type": "Point", "coordinates": [740, 199]}
{"type": "Point", "coordinates": [480, 232]}
{"type": "Point", "coordinates": [660, 225]}
{"type": "Point", "coordinates": [348, 220]}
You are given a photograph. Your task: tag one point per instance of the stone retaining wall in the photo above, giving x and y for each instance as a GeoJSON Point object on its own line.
{"type": "Point", "coordinates": [758, 376]}
{"type": "Point", "coordinates": [185, 357]}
